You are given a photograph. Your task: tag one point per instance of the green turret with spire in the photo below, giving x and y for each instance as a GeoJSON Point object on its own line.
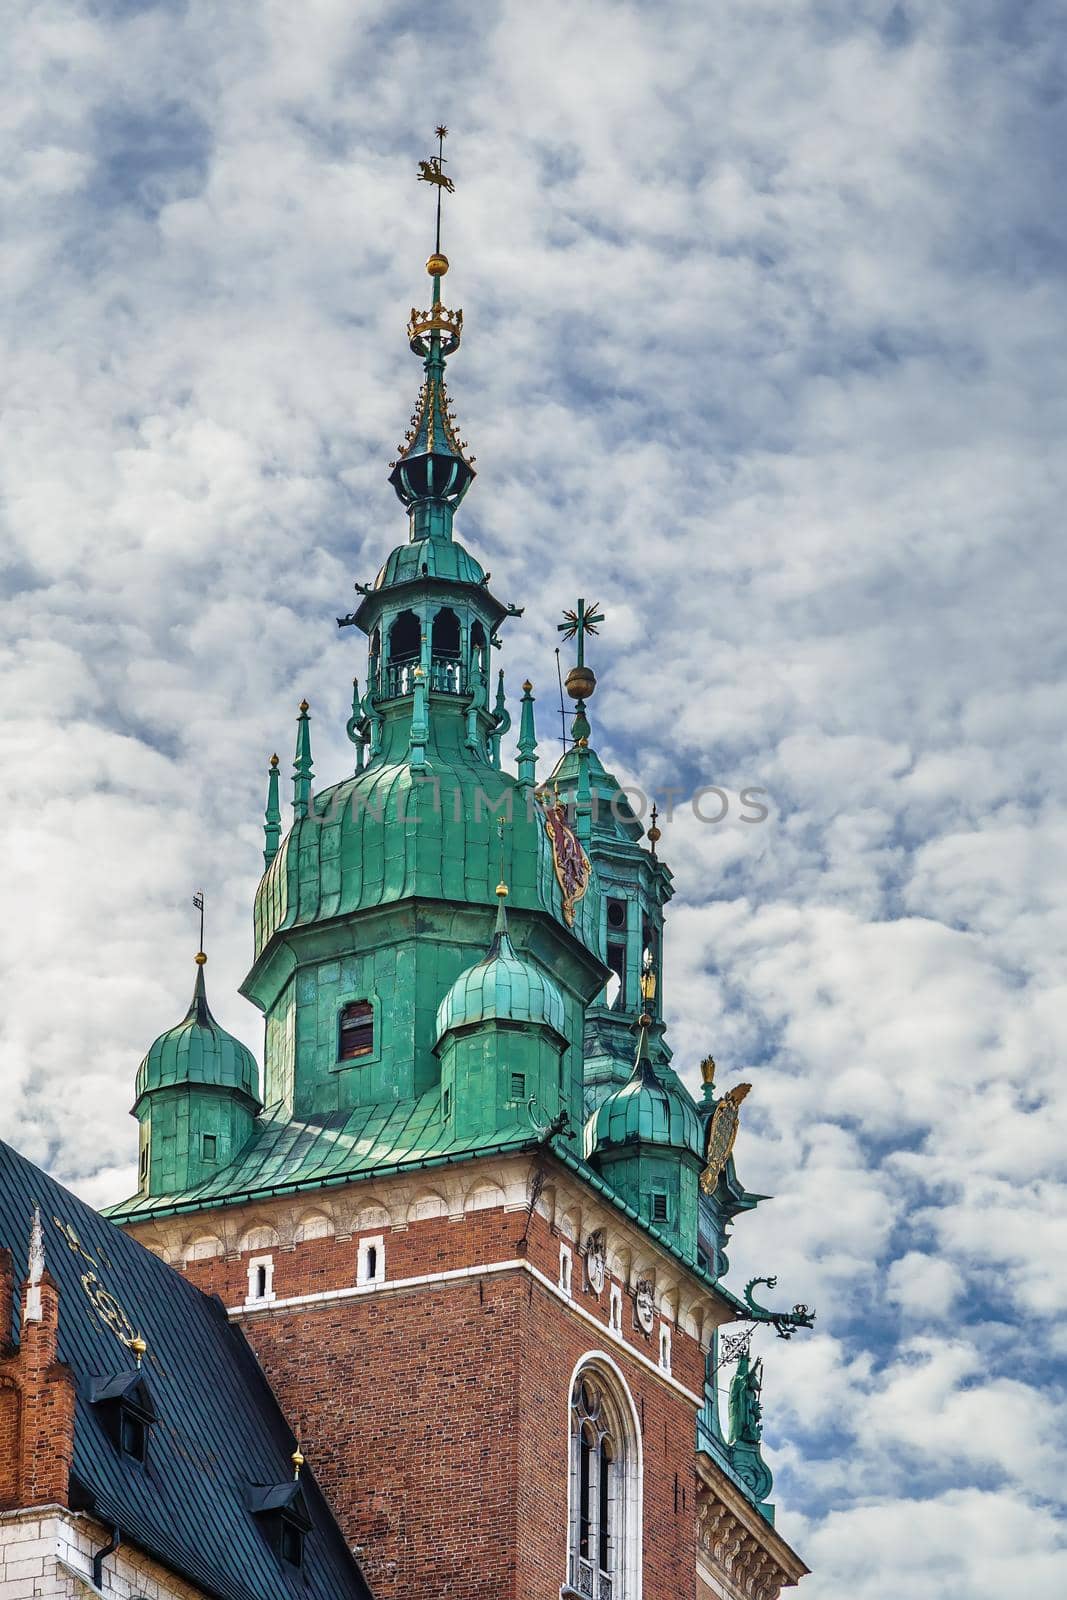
{"type": "Point", "coordinates": [197, 1099]}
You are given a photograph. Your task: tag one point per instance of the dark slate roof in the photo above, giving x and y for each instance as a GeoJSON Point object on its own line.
{"type": "Point", "coordinates": [219, 1435]}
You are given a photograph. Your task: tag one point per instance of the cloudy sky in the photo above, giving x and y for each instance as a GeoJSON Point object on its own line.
{"type": "Point", "coordinates": [765, 350]}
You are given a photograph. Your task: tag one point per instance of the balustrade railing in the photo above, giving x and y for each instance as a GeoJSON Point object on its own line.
{"type": "Point", "coordinates": [446, 675]}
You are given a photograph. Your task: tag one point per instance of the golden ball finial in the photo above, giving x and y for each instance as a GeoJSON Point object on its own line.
{"type": "Point", "coordinates": [274, 759]}
{"type": "Point", "coordinates": [437, 265]}
{"type": "Point", "coordinates": [644, 1020]}
{"type": "Point", "coordinates": [139, 1348]}
{"type": "Point", "coordinates": [200, 958]}
{"type": "Point", "coordinates": [527, 687]}
{"type": "Point", "coordinates": [303, 705]}
{"type": "Point", "coordinates": [297, 1459]}
{"type": "Point", "coordinates": [502, 890]}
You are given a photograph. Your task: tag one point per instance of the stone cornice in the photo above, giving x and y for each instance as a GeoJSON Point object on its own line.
{"type": "Point", "coordinates": [737, 1544]}
{"type": "Point", "coordinates": [568, 1204]}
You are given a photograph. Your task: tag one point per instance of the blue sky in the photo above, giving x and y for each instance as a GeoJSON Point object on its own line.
{"type": "Point", "coordinates": [765, 312]}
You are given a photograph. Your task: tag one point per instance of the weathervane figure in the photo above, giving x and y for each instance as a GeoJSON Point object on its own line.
{"type": "Point", "coordinates": [432, 171]}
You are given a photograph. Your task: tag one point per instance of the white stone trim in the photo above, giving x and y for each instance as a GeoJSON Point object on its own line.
{"type": "Point", "coordinates": [257, 1265]}
{"type": "Point", "coordinates": [665, 1346]}
{"type": "Point", "coordinates": [615, 1308]}
{"type": "Point", "coordinates": [384, 1202]}
{"type": "Point", "coordinates": [326, 1297]}
{"type": "Point", "coordinates": [633, 1512]}
{"type": "Point", "coordinates": [364, 1275]}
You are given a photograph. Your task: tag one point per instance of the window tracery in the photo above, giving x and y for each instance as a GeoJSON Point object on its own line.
{"type": "Point", "coordinates": [605, 1492]}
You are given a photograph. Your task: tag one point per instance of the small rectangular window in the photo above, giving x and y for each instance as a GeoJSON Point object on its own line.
{"type": "Point", "coordinates": [210, 1147]}
{"type": "Point", "coordinates": [659, 1208]}
{"type": "Point", "coordinates": [518, 1086]}
{"type": "Point", "coordinates": [446, 1104]}
{"type": "Point", "coordinates": [292, 1543]}
{"type": "Point", "coordinates": [356, 1031]}
{"type": "Point", "coordinates": [133, 1436]}
{"type": "Point", "coordinates": [144, 1163]}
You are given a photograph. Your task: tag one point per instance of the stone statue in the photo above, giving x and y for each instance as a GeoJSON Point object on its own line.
{"type": "Point", "coordinates": [745, 1408]}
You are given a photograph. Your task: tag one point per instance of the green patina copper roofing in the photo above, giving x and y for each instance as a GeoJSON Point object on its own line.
{"type": "Point", "coordinates": [198, 1051]}
{"type": "Point", "coordinates": [502, 987]}
{"type": "Point", "coordinates": [389, 833]}
{"type": "Point", "coordinates": [430, 558]}
{"type": "Point", "coordinates": [647, 1110]}
{"type": "Point", "coordinates": [290, 1155]}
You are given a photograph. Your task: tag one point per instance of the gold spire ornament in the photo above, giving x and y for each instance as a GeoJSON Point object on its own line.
{"type": "Point", "coordinates": [722, 1132]}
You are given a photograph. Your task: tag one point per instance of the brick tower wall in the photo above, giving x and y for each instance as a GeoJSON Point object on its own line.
{"type": "Point", "coordinates": [435, 1416]}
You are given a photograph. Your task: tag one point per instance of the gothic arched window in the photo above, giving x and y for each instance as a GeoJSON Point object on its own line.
{"type": "Point", "coordinates": [445, 673]}
{"type": "Point", "coordinates": [478, 651]}
{"type": "Point", "coordinates": [605, 1488]}
{"type": "Point", "coordinates": [405, 642]}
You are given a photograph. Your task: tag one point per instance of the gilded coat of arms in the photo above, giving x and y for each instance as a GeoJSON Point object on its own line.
{"type": "Point", "coordinates": [569, 859]}
{"type": "Point", "coordinates": [722, 1132]}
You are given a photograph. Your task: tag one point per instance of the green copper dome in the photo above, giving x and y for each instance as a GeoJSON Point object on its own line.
{"type": "Point", "coordinates": [502, 987]}
{"type": "Point", "coordinates": [645, 1111]}
{"type": "Point", "coordinates": [429, 558]}
{"type": "Point", "coordinates": [198, 1051]}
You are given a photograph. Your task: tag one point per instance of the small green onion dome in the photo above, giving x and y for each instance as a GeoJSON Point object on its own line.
{"type": "Point", "coordinates": [502, 987]}
{"type": "Point", "coordinates": [198, 1051]}
{"type": "Point", "coordinates": [645, 1111]}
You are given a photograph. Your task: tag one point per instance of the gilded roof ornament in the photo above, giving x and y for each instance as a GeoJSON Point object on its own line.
{"type": "Point", "coordinates": [432, 463]}
{"type": "Point", "coordinates": [722, 1133]}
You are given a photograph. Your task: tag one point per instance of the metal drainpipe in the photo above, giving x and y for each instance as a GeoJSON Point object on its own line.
{"type": "Point", "coordinates": [102, 1554]}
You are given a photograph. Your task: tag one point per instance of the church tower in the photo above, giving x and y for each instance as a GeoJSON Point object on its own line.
{"type": "Point", "coordinates": [473, 1228]}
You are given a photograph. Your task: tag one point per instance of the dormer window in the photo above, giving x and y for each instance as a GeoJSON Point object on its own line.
{"type": "Point", "coordinates": [355, 1033]}
{"type": "Point", "coordinates": [126, 1410]}
{"type": "Point", "coordinates": [282, 1518]}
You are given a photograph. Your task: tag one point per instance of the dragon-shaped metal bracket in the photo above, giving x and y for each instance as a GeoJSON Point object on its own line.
{"type": "Point", "coordinates": [785, 1323]}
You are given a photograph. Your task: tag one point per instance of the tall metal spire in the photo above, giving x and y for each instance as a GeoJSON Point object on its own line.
{"type": "Point", "coordinates": [432, 471]}
{"type": "Point", "coordinates": [302, 772]}
{"type": "Point", "coordinates": [527, 737]}
{"type": "Point", "coordinates": [272, 816]}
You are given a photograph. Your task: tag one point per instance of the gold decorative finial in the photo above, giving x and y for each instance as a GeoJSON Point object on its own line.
{"type": "Point", "coordinates": [437, 266]}
{"type": "Point", "coordinates": [502, 889]}
{"type": "Point", "coordinates": [304, 705]}
{"type": "Point", "coordinates": [707, 1070]}
{"type": "Point", "coordinates": [200, 958]}
{"type": "Point", "coordinates": [654, 833]}
{"type": "Point", "coordinates": [527, 687]}
{"type": "Point", "coordinates": [139, 1348]}
{"type": "Point", "coordinates": [274, 760]}
{"type": "Point", "coordinates": [298, 1461]}
{"type": "Point", "coordinates": [648, 985]}
{"type": "Point", "coordinates": [583, 620]}
{"type": "Point", "coordinates": [644, 1020]}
